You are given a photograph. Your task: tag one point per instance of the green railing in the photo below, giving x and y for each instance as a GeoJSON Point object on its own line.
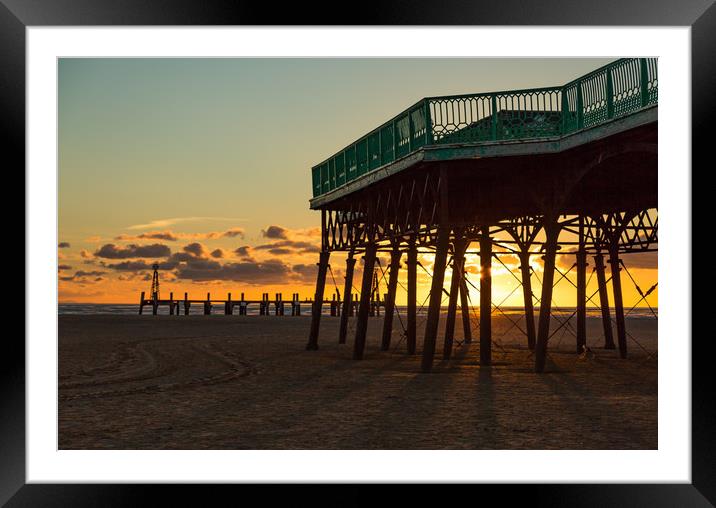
{"type": "Point", "coordinates": [618, 89]}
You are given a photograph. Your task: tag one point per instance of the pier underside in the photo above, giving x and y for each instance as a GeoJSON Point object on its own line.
{"type": "Point", "coordinates": [598, 199]}
{"type": "Point", "coordinates": [590, 193]}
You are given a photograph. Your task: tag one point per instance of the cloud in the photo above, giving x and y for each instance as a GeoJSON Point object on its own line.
{"type": "Point", "coordinates": [111, 251]}
{"type": "Point", "coordinates": [217, 253]}
{"type": "Point", "coordinates": [63, 245]}
{"type": "Point", "coordinates": [644, 260]}
{"type": "Point", "coordinates": [233, 232]}
{"type": "Point", "coordinates": [163, 223]}
{"type": "Point", "coordinates": [85, 253]}
{"type": "Point", "coordinates": [64, 267]}
{"type": "Point", "coordinates": [244, 251]}
{"type": "Point", "coordinates": [152, 235]}
{"type": "Point", "coordinates": [299, 246]}
{"type": "Point", "coordinates": [272, 271]}
{"type": "Point", "coordinates": [280, 251]}
{"type": "Point", "coordinates": [82, 276]}
{"type": "Point", "coordinates": [195, 249]}
{"type": "Point", "coordinates": [275, 232]}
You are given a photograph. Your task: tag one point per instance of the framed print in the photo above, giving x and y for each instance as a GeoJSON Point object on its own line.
{"type": "Point", "coordinates": [358, 254]}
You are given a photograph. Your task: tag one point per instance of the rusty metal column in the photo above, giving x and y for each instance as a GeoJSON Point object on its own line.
{"type": "Point", "coordinates": [581, 300]}
{"type": "Point", "coordinates": [455, 283]}
{"type": "Point", "coordinates": [412, 264]}
{"type": "Point", "coordinates": [527, 295]}
{"type": "Point", "coordinates": [618, 301]}
{"type": "Point", "coordinates": [390, 298]}
{"type": "Point", "coordinates": [347, 300]}
{"type": "Point", "coordinates": [485, 297]}
{"type": "Point", "coordinates": [318, 300]}
{"type": "Point", "coordinates": [604, 301]}
{"type": "Point", "coordinates": [545, 308]}
{"type": "Point", "coordinates": [364, 308]}
{"type": "Point", "coordinates": [436, 294]}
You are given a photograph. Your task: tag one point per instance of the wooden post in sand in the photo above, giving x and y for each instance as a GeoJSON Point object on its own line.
{"type": "Point", "coordinates": [412, 265]}
{"type": "Point", "coordinates": [604, 301]}
{"type": "Point", "coordinates": [365, 301]}
{"type": "Point", "coordinates": [486, 297]}
{"type": "Point", "coordinates": [455, 281]}
{"type": "Point", "coordinates": [171, 304]}
{"type": "Point", "coordinates": [618, 301]}
{"type": "Point", "coordinates": [465, 307]}
{"type": "Point", "coordinates": [347, 298]}
{"type": "Point", "coordinates": [186, 304]}
{"type": "Point", "coordinates": [390, 299]}
{"type": "Point", "coordinates": [581, 300]}
{"type": "Point", "coordinates": [526, 272]}
{"type": "Point", "coordinates": [324, 256]}
{"type": "Point", "coordinates": [436, 293]}
{"type": "Point", "coordinates": [207, 305]}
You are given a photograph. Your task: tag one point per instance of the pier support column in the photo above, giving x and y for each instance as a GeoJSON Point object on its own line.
{"type": "Point", "coordinates": [527, 297]}
{"type": "Point", "coordinates": [390, 299]}
{"type": "Point", "coordinates": [347, 298]}
{"type": "Point", "coordinates": [412, 266]}
{"type": "Point", "coordinates": [485, 297]}
{"type": "Point", "coordinates": [318, 300]}
{"type": "Point", "coordinates": [581, 300]}
{"type": "Point", "coordinates": [186, 304]}
{"type": "Point", "coordinates": [365, 301]}
{"type": "Point", "coordinates": [465, 307]}
{"type": "Point", "coordinates": [618, 302]}
{"type": "Point", "coordinates": [604, 301]}
{"type": "Point", "coordinates": [141, 303]}
{"type": "Point", "coordinates": [545, 308]}
{"type": "Point", "coordinates": [436, 294]}
{"type": "Point", "coordinates": [455, 284]}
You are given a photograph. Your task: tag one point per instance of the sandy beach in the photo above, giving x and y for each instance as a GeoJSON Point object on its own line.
{"type": "Point", "coordinates": [246, 382]}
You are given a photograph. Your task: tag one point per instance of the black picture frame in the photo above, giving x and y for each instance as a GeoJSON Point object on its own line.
{"type": "Point", "coordinates": [16, 15]}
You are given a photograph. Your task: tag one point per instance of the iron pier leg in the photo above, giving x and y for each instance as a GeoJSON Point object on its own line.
{"type": "Point", "coordinates": [390, 299]}
{"type": "Point", "coordinates": [527, 296]}
{"type": "Point", "coordinates": [436, 294]}
{"type": "Point", "coordinates": [455, 283]}
{"type": "Point", "coordinates": [604, 301]}
{"type": "Point", "coordinates": [141, 303]}
{"type": "Point", "coordinates": [485, 298]}
{"type": "Point", "coordinates": [365, 295]}
{"type": "Point", "coordinates": [545, 308]}
{"type": "Point", "coordinates": [618, 302]}
{"type": "Point", "coordinates": [318, 301]}
{"type": "Point", "coordinates": [581, 300]}
{"type": "Point", "coordinates": [465, 305]}
{"type": "Point", "coordinates": [347, 300]}
{"type": "Point", "coordinates": [411, 331]}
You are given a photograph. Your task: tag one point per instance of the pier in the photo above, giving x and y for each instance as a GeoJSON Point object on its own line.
{"type": "Point", "coordinates": [536, 173]}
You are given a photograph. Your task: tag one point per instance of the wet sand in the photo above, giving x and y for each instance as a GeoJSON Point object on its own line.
{"type": "Point", "coordinates": [246, 382]}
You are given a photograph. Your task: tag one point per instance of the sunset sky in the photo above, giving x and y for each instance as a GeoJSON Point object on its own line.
{"type": "Point", "coordinates": [204, 166]}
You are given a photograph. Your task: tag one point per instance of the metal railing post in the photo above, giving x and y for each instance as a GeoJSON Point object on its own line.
{"type": "Point", "coordinates": [644, 75]}
{"type": "Point", "coordinates": [580, 106]}
{"type": "Point", "coordinates": [493, 127]}
{"type": "Point", "coordinates": [610, 94]}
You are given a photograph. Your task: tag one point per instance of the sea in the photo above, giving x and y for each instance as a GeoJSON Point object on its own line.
{"type": "Point", "coordinates": [198, 309]}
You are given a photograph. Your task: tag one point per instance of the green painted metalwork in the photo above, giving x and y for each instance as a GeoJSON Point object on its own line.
{"type": "Point", "coordinates": [615, 90]}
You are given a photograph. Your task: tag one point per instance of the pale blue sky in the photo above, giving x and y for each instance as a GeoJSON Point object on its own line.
{"type": "Point", "coordinates": [148, 139]}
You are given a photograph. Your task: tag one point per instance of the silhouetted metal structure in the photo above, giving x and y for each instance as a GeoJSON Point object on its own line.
{"type": "Point", "coordinates": [524, 172]}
